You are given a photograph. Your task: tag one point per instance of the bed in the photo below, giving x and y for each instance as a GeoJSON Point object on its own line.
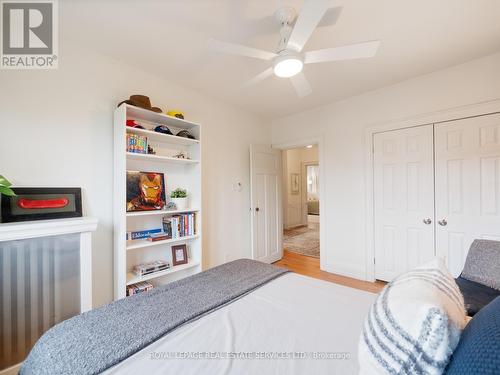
{"type": "Point", "coordinates": [292, 313]}
{"type": "Point", "coordinates": [290, 324]}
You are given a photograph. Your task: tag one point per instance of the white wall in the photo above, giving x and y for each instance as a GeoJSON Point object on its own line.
{"type": "Point", "coordinates": [295, 207]}
{"type": "Point", "coordinates": [342, 127]}
{"type": "Point", "coordinates": [56, 130]}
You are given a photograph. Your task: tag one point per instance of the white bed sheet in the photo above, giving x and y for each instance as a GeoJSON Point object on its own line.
{"type": "Point", "coordinates": [292, 314]}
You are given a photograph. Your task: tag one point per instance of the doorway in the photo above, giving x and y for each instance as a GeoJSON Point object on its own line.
{"type": "Point", "coordinates": [301, 201]}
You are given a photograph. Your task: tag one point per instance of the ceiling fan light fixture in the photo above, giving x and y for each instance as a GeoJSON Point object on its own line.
{"type": "Point", "coordinates": [289, 58]}
{"type": "Point", "coordinates": [287, 66]}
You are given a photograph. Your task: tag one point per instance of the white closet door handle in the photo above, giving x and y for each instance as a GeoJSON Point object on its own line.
{"type": "Point", "coordinates": [427, 221]}
{"type": "Point", "coordinates": [442, 222]}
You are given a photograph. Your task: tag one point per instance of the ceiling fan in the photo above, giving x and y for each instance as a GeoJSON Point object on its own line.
{"type": "Point", "coordinates": [288, 60]}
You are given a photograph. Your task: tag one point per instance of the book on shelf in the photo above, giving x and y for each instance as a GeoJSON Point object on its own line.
{"type": "Point", "coordinates": [162, 236]}
{"type": "Point", "coordinates": [141, 234]}
{"type": "Point", "coordinates": [137, 288]}
{"type": "Point", "coordinates": [137, 144]}
{"type": "Point", "coordinates": [167, 226]}
{"type": "Point", "coordinates": [179, 226]}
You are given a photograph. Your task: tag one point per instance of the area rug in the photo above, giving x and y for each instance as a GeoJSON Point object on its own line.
{"type": "Point", "coordinates": [302, 240]}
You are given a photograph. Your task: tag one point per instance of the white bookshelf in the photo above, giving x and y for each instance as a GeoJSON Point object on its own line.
{"type": "Point", "coordinates": [183, 173]}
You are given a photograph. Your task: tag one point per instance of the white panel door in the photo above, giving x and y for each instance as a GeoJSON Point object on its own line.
{"type": "Point", "coordinates": [265, 186]}
{"type": "Point", "coordinates": [403, 200]}
{"type": "Point", "coordinates": [467, 186]}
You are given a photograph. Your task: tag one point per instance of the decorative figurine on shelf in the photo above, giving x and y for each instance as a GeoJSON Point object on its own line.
{"type": "Point", "coordinates": [170, 206]}
{"type": "Point", "coordinates": [151, 150]}
{"type": "Point", "coordinates": [145, 191]}
{"type": "Point", "coordinates": [181, 155]}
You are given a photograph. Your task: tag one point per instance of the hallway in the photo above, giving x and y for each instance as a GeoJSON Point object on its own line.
{"type": "Point", "coordinates": [303, 240]}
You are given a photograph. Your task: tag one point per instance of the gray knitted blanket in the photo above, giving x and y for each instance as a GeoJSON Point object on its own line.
{"type": "Point", "coordinates": [99, 339]}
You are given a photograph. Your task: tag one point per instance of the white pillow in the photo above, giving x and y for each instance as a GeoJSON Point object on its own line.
{"type": "Point", "coordinates": [414, 324]}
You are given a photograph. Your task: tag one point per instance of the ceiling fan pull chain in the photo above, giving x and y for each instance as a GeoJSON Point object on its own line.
{"type": "Point", "coordinates": [285, 32]}
{"type": "Point", "coordinates": [285, 17]}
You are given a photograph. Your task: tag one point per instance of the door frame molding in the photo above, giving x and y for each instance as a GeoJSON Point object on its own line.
{"type": "Point", "coordinates": [302, 142]}
{"type": "Point", "coordinates": [303, 193]}
{"type": "Point", "coordinates": [431, 118]}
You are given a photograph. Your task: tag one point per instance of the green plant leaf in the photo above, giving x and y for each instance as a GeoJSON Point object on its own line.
{"type": "Point", "coordinates": [5, 190]}
{"type": "Point", "coordinates": [4, 181]}
{"type": "Point", "coordinates": [178, 193]}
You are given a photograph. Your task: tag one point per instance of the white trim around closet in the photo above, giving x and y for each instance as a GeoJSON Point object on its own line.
{"type": "Point", "coordinates": [451, 114]}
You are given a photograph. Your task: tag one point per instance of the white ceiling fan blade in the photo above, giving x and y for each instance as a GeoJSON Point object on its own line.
{"type": "Point", "coordinates": [349, 52]}
{"type": "Point", "coordinates": [310, 15]}
{"type": "Point", "coordinates": [301, 85]}
{"type": "Point", "coordinates": [330, 17]}
{"type": "Point", "coordinates": [258, 78]}
{"type": "Point", "coordinates": [239, 50]}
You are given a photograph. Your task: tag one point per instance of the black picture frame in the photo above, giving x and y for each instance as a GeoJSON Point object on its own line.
{"type": "Point", "coordinates": [74, 196]}
{"type": "Point", "coordinates": [175, 259]}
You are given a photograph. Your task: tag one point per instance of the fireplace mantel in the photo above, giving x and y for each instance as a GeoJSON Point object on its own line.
{"type": "Point", "coordinates": [43, 228]}
{"type": "Point", "coordinates": [59, 227]}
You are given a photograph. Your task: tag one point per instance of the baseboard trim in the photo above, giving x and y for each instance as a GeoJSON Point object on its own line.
{"type": "Point", "coordinates": [294, 226]}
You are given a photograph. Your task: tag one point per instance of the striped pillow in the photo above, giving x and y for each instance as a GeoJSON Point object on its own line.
{"type": "Point", "coordinates": [414, 324]}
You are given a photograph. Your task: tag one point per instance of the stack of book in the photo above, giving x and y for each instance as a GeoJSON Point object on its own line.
{"type": "Point", "coordinates": [138, 288]}
{"type": "Point", "coordinates": [151, 267]}
{"type": "Point", "coordinates": [179, 225]}
{"type": "Point", "coordinates": [137, 144]}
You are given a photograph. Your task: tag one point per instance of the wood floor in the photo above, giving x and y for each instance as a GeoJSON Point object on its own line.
{"type": "Point", "coordinates": [309, 266]}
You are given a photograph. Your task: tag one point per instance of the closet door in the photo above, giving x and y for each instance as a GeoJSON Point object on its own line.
{"type": "Point", "coordinates": [403, 200]}
{"type": "Point", "coordinates": [467, 186]}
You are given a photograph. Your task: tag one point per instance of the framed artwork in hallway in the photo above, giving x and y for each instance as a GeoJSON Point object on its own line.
{"type": "Point", "coordinates": [294, 183]}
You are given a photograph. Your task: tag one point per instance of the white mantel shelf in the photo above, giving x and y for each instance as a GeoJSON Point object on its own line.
{"type": "Point", "coordinates": [43, 228]}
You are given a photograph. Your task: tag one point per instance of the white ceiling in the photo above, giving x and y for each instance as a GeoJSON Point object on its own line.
{"type": "Point", "coordinates": [168, 38]}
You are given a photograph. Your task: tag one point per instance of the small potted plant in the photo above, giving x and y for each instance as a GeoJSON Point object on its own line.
{"type": "Point", "coordinates": [5, 187]}
{"type": "Point", "coordinates": [179, 197]}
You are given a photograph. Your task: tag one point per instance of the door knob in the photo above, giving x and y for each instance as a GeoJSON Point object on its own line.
{"type": "Point", "coordinates": [427, 221]}
{"type": "Point", "coordinates": [257, 209]}
{"type": "Point", "coordinates": [442, 222]}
